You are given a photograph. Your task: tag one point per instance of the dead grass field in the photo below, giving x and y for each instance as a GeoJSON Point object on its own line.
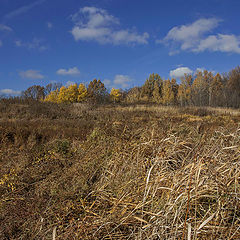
{"type": "Point", "coordinates": [118, 172]}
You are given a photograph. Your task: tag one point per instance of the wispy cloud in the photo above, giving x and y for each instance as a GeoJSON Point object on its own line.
{"type": "Point", "coordinates": [9, 92]}
{"type": "Point", "coordinates": [70, 72]}
{"type": "Point", "coordinates": [22, 10]}
{"type": "Point", "coordinates": [31, 74]}
{"type": "Point", "coordinates": [96, 24]}
{"type": "Point", "coordinates": [4, 27]}
{"type": "Point", "coordinates": [119, 81]}
{"type": "Point", "coordinates": [69, 83]}
{"type": "Point", "coordinates": [49, 25]}
{"type": "Point", "coordinates": [34, 44]}
{"type": "Point", "coordinates": [202, 69]}
{"type": "Point", "coordinates": [195, 37]}
{"type": "Point", "coordinates": [107, 83]}
{"type": "Point", "coordinates": [122, 80]}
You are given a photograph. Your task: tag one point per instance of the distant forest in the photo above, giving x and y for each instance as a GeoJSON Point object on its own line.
{"type": "Point", "coordinates": [202, 89]}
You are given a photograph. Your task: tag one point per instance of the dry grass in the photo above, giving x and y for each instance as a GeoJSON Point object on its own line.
{"type": "Point", "coordinates": [115, 172]}
{"type": "Point", "coordinates": [176, 110]}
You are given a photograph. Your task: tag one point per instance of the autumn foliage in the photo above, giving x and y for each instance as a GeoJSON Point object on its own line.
{"type": "Point", "coordinates": [115, 95]}
{"type": "Point", "coordinates": [77, 93]}
{"type": "Point", "coordinates": [201, 89]}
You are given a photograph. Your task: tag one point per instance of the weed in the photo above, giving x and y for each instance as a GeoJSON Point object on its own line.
{"type": "Point", "coordinates": [80, 171]}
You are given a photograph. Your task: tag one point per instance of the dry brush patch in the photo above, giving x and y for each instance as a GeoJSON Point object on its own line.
{"type": "Point", "coordinates": [118, 172]}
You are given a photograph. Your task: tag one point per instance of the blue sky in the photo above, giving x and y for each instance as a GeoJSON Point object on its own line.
{"type": "Point", "coordinates": [118, 41]}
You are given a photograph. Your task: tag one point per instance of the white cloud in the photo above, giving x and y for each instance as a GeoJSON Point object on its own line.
{"type": "Point", "coordinates": [122, 81]}
{"type": "Point", "coordinates": [98, 34]}
{"type": "Point", "coordinates": [220, 42]}
{"type": "Point", "coordinates": [199, 70]}
{"type": "Point", "coordinates": [69, 83]}
{"type": "Point", "coordinates": [93, 17]}
{"type": "Point", "coordinates": [5, 28]}
{"type": "Point", "coordinates": [31, 74]}
{"type": "Point", "coordinates": [180, 72]}
{"type": "Point", "coordinates": [188, 35]}
{"type": "Point", "coordinates": [96, 24]}
{"type": "Point", "coordinates": [107, 82]}
{"type": "Point", "coordinates": [70, 72]}
{"type": "Point", "coordinates": [34, 44]}
{"type": "Point", "coordinates": [18, 43]}
{"type": "Point", "coordinates": [124, 36]}
{"type": "Point", "coordinates": [9, 92]}
{"type": "Point", "coordinates": [194, 37]}
{"type": "Point", "coordinates": [49, 25]}
{"type": "Point", "coordinates": [119, 81]}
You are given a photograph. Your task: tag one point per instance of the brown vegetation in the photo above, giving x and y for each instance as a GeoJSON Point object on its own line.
{"type": "Point", "coordinates": [81, 171]}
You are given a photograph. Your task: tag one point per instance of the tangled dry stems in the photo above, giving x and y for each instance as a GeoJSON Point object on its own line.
{"type": "Point", "coordinates": [119, 172]}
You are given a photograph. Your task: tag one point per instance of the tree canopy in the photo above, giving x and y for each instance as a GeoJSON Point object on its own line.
{"type": "Point", "coordinates": [201, 89]}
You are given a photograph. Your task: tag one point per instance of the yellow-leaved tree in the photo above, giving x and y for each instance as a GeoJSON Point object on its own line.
{"type": "Point", "coordinates": [69, 94]}
{"type": "Point", "coordinates": [184, 90]}
{"type": "Point", "coordinates": [62, 95]}
{"type": "Point", "coordinates": [115, 95]}
{"type": "Point", "coordinates": [72, 93]}
{"type": "Point", "coordinates": [82, 92]}
{"type": "Point", "coordinates": [156, 96]}
{"type": "Point", "coordinates": [134, 95]}
{"type": "Point", "coordinates": [233, 87]}
{"type": "Point", "coordinates": [96, 91]}
{"type": "Point", "coordinates": [151, 91]}
{"type": "Point", "coordinates": [216, 91]}
{"type": "Point", "coordinates": [52, 96]}
{"type": "Point", "coordinates": [201, 88]}
{"type": "Point", "coordinates": [168, 93]}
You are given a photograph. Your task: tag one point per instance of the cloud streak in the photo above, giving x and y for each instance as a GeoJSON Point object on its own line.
{"type": "Point", "coordinates": [34, 44]}
{"type": "Point", "coordinates": [22, 10]}
{"type": "Point", "coordinates": [4, 27]}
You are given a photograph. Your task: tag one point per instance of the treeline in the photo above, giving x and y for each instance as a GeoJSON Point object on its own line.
{"type": "Point", "coordinates": [95, 92]}
{"type": "Point", "coordinates": [202, 89]}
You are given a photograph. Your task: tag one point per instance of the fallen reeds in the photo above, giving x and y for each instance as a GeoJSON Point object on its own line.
{"type": "Point", "coordinates": [120, 173]}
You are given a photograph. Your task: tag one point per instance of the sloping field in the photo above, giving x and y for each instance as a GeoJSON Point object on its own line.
{"type": "Point", "coordinates": [118, 172]}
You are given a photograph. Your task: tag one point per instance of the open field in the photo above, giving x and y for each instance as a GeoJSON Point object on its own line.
{"type": "Point", "coordinates": [79, 171]}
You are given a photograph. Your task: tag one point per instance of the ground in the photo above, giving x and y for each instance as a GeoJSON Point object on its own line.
{"type": "Point", "coordinates": [79, 171]}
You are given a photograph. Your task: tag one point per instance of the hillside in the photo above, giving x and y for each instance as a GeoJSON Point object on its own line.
{"type": "Point", "coordinates": [79, 171]}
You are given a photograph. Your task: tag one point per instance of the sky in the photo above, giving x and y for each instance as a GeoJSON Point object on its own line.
{"type": "Point", "coordinates": [119, 42]}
